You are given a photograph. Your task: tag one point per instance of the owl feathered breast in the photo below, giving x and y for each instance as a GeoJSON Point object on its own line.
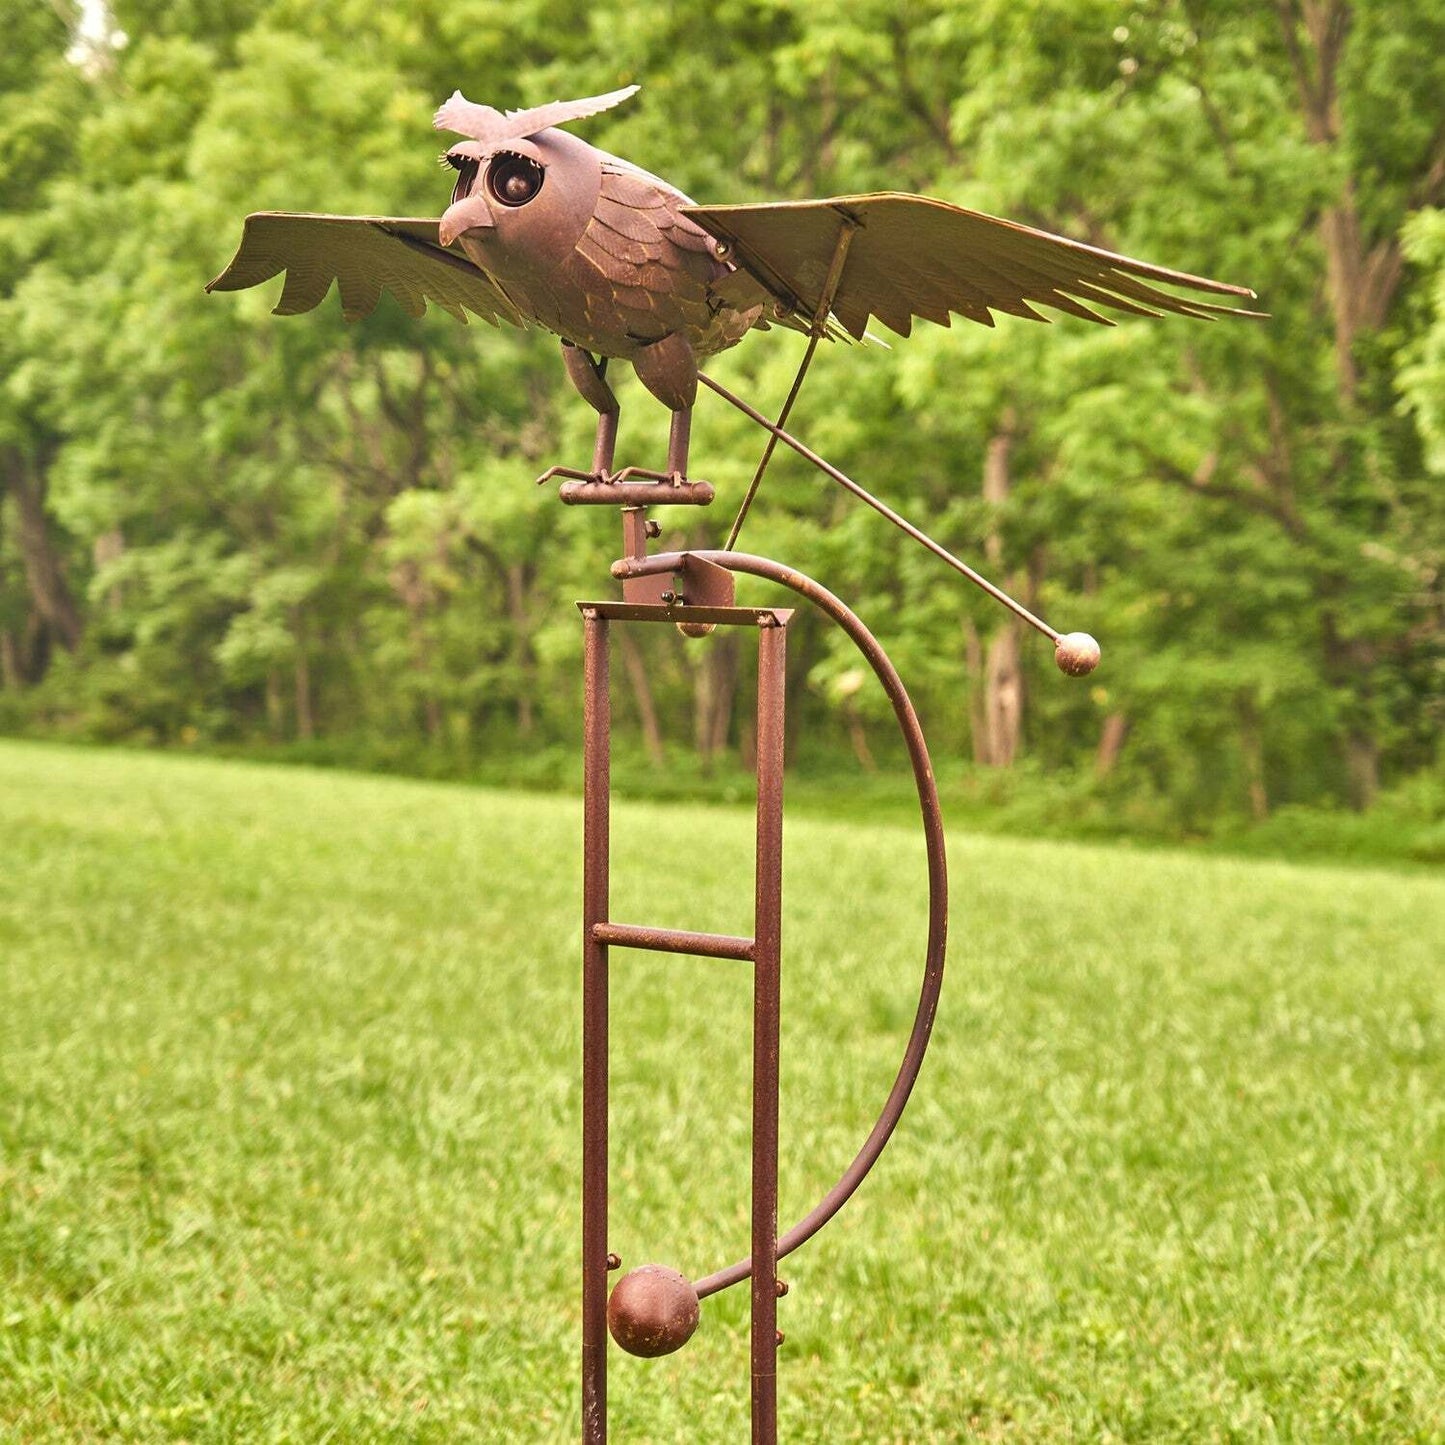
{"type": "Point", "coordinates": [643, 270]}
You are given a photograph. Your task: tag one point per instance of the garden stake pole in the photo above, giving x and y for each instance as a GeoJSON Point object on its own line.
{"type": "Point", "coordinates": [654, 1310]}
{"type": "Point", "coordinates": [596, 727]}
{"type": "Point", "coordinates": [636, 1324]}
{"type": "Point", "coordinates": [767, 1007]}
{"type": "Point", "coordinates": [632, 1315]}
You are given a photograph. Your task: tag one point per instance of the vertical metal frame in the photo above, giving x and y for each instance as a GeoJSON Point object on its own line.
{"type": "Point", "coordinates": [763, 950]}
{"type": "Point", "coordinates": [767, 1014]}
{"type": "Point", "coordinates": [690, 588]}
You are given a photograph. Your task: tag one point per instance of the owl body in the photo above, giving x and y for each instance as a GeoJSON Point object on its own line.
{"type": "Point", "coordinates": [590, 247]}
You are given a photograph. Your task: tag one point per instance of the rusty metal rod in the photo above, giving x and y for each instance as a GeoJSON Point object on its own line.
{"type": "Point", "coordinates": [863, 495]}
{"type": "Point", "coordinates": [657, 493]}
{"type": "Point", "coordinates": [674, 940]}
{"type": "Point", "coordinates": [818, 331]}
{"type": "Point", "coordinates": [767, 1009]}
{"type": "Point", "coordinates": [596, 747]}
{"type": "Point", "coordinates": [680, 612]}
{"type": "Point", "coordinates": [772, 445]}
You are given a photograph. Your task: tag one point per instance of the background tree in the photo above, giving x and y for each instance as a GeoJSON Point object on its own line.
{"type": "Point", "coordinates": [223, 528]}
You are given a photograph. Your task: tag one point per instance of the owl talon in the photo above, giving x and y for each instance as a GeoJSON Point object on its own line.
{"type": "Point", "coordinates": [671, 478]}
{"type": "Point", "coordinates": [575, 474]}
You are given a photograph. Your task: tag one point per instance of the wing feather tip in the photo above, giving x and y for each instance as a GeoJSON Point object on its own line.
{"type": "Point", "coordinates": [231, 279]}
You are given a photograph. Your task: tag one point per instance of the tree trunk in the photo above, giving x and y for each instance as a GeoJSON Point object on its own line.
{"type": "Point", "coordinates": [1111, 743]}
{"type": "Point", "coordinates": [977, 710]}
{"type": "Point", "coordinates": [1363, 273]}
{"type": "Point", "coordinates": [1349, 663]}
{"type": "Point", "coordinates": [1361, 278]}
{"type": "Point", "coordinates": [109, 547]}
{"type": "Point", "coordinates": [44, 575]}
{"type": "Point", "coordinates": [1003, 699]}
{"type": "Point", "coordinates": [748, 742]}
{"type": "Point", "coordinates": [305, 721]}
{"type": "Point", "coordinates": [714, 682]}
{"type": "Point", "coordinates": [519, 577]}
{"type": "Point", "coordinates": [1251, 746]}
{"type": "Point", "coordinates": [11, 676]}
{"type": "Point", "coordinates": [724, 691]}
{"type": "Point", "coordinates": [275, 707]}
{"type": "Point", "coordinates": [1362, 759]}
{"type": "Point", "coordinates": [858, 736]}
{"type": "Point", "coordinates": [701, 703]}
{"type": "Point", "coordinates": [36, 647]}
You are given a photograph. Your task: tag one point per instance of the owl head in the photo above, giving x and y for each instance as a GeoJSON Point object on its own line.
{"type": "Point", "coordinates": [522, 184]}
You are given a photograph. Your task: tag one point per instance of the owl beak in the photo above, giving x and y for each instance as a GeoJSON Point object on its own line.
{"type": "Point", "coordinates": [469, 215]}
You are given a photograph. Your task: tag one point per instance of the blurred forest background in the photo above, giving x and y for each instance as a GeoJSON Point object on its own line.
{"type": "Point", "coordinates": [225, 530]}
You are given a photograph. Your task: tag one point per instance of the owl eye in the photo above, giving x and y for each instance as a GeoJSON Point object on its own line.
{"type": "Point", "coordinates": [514, 180]}
{"type": "Point", "coordinates": [466, 168]}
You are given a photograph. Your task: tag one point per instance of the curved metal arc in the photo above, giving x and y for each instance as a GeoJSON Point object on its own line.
{"type": "Point", "coordinates": [908, 724]}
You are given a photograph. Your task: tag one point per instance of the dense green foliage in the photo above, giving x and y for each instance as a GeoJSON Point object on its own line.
{"type": "Point", "coordinates": [224, 528]}
{"type": "Point", "coordinates": [289, 1136]}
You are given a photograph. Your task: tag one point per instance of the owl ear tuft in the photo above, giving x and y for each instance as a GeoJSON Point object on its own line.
{"type": "Point", "coordinates": [490, 126]}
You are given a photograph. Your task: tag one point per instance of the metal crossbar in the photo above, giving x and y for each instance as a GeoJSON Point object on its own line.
{"type": "Point", "coordinates": [675, 940]}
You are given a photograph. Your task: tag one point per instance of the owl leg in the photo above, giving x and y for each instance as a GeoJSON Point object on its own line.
{"type": "Point", "coordinates": [668, 369]}
{"type": "Point", "coordinates": [589, 375]}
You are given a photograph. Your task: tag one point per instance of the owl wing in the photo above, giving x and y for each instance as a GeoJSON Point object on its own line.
{"type": "Point", "coordinates": [364, 255]}
{"type": "Point", "coordinates": [912, 256]}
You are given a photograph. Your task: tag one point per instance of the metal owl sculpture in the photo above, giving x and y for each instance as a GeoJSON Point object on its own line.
{"type": "Point", "coordinates": [546, 230]}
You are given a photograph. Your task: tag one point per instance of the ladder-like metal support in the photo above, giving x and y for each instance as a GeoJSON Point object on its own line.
{"type": "Point", "coordinates": [763, 950]}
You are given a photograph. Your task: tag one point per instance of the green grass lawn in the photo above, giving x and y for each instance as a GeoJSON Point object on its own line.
{"type": "Point", "coordinates": [289, 1125]}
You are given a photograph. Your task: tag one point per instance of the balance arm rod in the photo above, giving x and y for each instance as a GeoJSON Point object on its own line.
{"type": "Point", "coordinates": [863, 495]}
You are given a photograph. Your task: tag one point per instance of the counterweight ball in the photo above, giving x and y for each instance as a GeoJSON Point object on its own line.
{"type": "Point", "coordinates": [1077, 654]}
{"type": "Point", "coordinates": [653, 1311]}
